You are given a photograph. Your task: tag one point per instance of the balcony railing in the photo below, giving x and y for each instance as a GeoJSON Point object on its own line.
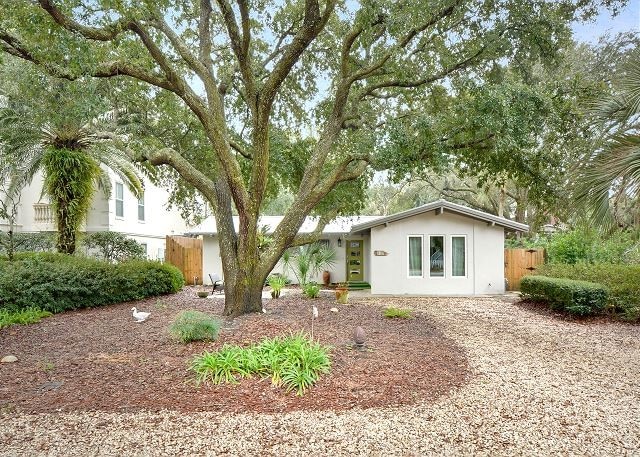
{"type": "Point", "coordinates": [43, 214]}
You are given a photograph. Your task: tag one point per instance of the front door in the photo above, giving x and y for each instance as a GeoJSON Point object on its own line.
{"type": "Point", "coordinates": [355, 260]}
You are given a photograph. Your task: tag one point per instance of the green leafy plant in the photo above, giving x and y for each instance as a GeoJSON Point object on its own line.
{"type": "Point", "coordinates": [396, 313]}
{"type": "Point", "coordinates": [294, 362]}
{"type": "Point", "coordinates": [622, 281]}
{"type": "Point", "coordinates": [277, 283]}
{"type": "Point", "coordinates": [309, 260]}
{"type": "Point", "coordinates": [194, 326]}
{"type": "Point", "coordinates": [113, 246]}
{"type": "Point", "coordinates": [29, 315]}
{"type": "Point", "coordinates": [576, 297]}
{"type": "Point", "coordinates": [57, 282]}
{"type": "Point", "coordinates": [311, 289]}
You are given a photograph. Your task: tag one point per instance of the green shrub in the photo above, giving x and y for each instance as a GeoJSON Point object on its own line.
{"type": "Point", "coordinates": [57, 282]}
{"type": "Point", "coordinates": [311, 289]}
{"type": "Point", "coordinates": [277, 283]}
{"type": "Point", "coordinates": [114, 246]}
{"type": "Point", "coordinates": [396, 313]}
{"type": "Point", "coordinates": [294, 362]}
{"type": "Point", "coordinates": [25, 316]}
{"type": "Point", "coordinates": [623, 282]}
{"type": "Point", "coordinates": [194, 326]}
{"type": "Point", "coordinates": [576, 297]}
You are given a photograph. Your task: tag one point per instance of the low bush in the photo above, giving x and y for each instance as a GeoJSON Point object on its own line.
{"type": "Point", "coordinates": [576, 297]}
{"type": "Point", "coordinates": [294, 362]}
{"type": "Point", "coordinates": [114, 247]}
{"type": "Point", "coordinates": [623, 282]}
{"type": "Point", "coordinates": [396, 313]}
{"type": "Point", "coordinates": [311, 289]}
{"type": "Point", "coordinates": [57, 282]}
{"type": "Point", "coordinates": [194, 326]}
{"type": "Point", "coordinates": [22, 317]}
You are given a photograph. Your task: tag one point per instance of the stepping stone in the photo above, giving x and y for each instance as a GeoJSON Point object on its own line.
{"type": "Point", "coordinates": [9, 359]}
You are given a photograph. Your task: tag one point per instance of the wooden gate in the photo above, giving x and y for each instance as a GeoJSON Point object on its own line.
{"type": "Point", "coordinates": [519, 263]}
{"type": "Point", "coordinates": [186, 254]}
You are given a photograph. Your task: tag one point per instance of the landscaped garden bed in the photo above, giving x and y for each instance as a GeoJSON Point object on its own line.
{"type": "Point", "coordinates": [101, 359]}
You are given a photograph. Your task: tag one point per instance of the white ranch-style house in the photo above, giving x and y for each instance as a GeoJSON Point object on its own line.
{"type": "Point", "coordinates": [440, 248]}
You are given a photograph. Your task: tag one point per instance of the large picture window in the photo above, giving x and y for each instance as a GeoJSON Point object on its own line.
{"type": "Point", "coordinates": [415, 256]}
{"type": "Point", "coordinates": [436, 256]}
{"type": "Point", "coordinates": [458, 256]}
{"type": "Point", "coordinates": [119, 200]}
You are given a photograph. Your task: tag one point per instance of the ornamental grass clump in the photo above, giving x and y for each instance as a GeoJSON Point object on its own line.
{"type": "Point", "coordinates": [294, 362]}
{"type": "Point", "coordinates": [396, 313]}
{"type": "Point", "coordinates": [194, 326]}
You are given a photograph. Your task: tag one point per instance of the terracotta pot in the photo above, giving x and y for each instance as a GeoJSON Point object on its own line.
{"type": "Point", "coordinates": [342, 295]}
{"type": "Point", "coordinates": [326, 277]}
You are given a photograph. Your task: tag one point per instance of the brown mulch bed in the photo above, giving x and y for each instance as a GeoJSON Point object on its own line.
{"type": "Point", "coordinates": [100, 359]}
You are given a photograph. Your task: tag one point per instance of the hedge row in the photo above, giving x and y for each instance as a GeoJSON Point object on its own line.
{"type": "Point", "coordinates": [623, 282]}
{"type": "Point", "coordinates": [56, 282]}
{"type": "Point", "coordinates": [576, 297]}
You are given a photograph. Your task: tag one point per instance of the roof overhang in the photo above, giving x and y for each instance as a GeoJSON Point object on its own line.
{"type": "Point", "coordinates": [439, 207]}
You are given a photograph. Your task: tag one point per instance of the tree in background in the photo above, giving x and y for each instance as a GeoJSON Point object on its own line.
{"type": "Point", "coordinates": [327, 77]}
{"type": "Point", "coordinates": [51, 126]}
{"type": "Point", "coordinates": [608, 183]}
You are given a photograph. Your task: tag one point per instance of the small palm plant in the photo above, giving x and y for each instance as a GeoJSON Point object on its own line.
{"type": "Point", "coordinates": [308, 260]}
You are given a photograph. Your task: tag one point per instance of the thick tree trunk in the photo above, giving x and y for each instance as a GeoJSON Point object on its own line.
{"type": "Point", "coordinates": [66, 243]}
{"type": "Point", "coordinates": [243, 294]}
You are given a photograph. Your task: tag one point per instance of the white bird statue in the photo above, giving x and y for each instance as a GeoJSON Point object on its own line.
{"type": "Point", "coordinates": [139, 316]}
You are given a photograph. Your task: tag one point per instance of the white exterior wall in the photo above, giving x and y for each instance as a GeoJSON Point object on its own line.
{"type": "Point", "coordinates": [212, 263]}
{"type": "Point", "coordinates": [484, 256]}
{"type": "Point", "coordinates": [152, 231]}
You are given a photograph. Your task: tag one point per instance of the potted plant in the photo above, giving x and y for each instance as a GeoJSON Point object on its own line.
{"type": "Point", "coordinates": [342, 293]}
{"type": "Point", "coordinates": [277, 283]}
{"type": "Point", "coordinates": [203, 293]}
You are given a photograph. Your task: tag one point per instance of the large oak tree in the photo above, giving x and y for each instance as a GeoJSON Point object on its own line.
{"type": "Point", "coordinates": [327, 73]}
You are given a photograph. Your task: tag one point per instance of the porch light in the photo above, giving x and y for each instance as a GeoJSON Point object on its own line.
{"type": "Point", "coordinates": [339, 242]}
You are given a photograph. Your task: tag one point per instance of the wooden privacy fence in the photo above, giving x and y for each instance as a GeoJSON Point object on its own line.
{"type": "Point", "coordinates": [519, 263]}
{"type": "Point", "coordinates": [186, 254]}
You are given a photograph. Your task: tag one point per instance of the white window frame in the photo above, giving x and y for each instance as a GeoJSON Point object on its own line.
{"type": "Point", "coordinates": [444, 256]}
{"type": "Point", "coordinates": [144, 214]}
{"type": "Point", "coordinates": [421, 256]}
{"type": "Point", "coordinates": [466, 256]}
{"type": "Point", "coordinates": [119, 184]}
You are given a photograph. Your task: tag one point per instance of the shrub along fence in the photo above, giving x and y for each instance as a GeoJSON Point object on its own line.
{"type": "Point", "coordinates": [622, 281]}
{"type": "Point", "coordinates": [576, 297]}
{"type": "Point", "coordinates": [57, 282]}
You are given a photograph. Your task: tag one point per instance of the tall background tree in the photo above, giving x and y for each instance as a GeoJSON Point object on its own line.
{"type": "Point", "coordinates": [65, 130]}
{"type": "Point", "coordinates": [328, 78]}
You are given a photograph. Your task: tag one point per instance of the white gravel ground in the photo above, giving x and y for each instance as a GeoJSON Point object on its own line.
{"type": "Point", "coordinates": [541, 387]}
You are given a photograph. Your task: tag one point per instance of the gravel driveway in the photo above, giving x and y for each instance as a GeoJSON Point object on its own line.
{"type": "Point", "coordinates": [542, 386]}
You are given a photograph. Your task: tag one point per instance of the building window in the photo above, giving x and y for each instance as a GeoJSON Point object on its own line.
{"type": "Point", "coordinates": [119, 200]}
{"type": "Point", "coordinates": [415, 256]}
{"type": "Point", "coordinates": [141, 208]}
{"type": "Point", "coordinates": [458, 256]}
{"type": "Point", "coordinates": [144, 246]}
{"type": "Point", "coordinates": [436, 256]}
{"type": "Point", "coordinates": [324, 243]}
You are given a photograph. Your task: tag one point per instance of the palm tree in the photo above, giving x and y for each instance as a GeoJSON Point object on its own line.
{"type": "Point", "coordinates": [49, 134]}
{"type": "Point", "coordinates": [611, 175]}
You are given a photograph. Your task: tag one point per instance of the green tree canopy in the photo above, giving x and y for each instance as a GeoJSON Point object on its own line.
{"type": "Point", "coordinates": [331, 75]}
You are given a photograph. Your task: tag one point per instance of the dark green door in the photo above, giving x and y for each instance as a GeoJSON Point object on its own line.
{"type": "Point", "coordinates": [355, 260]}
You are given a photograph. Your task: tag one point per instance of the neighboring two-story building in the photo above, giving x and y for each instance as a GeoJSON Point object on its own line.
{"type": "Point", "coordinates": [145, 219]}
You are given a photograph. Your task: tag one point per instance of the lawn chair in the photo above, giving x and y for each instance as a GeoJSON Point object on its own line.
{"type": "Point", "coordinates": [216, 282]}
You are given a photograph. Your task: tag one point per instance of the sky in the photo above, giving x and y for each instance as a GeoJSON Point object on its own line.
{"type": "Point", "coordinates": [628, 20]}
